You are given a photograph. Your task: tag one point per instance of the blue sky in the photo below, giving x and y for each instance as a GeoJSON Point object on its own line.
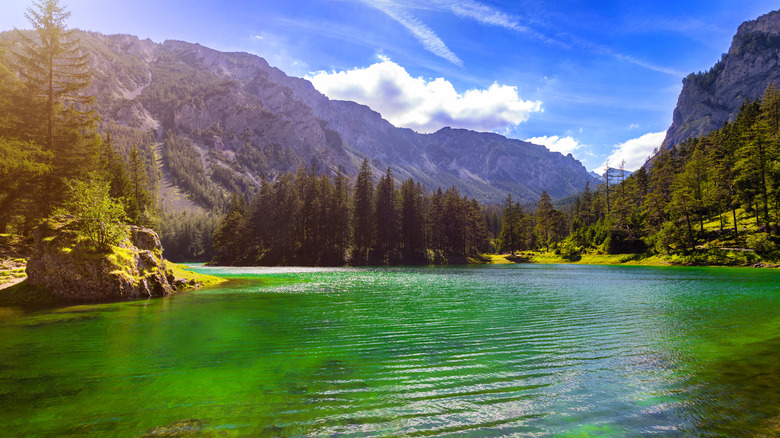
{"type": "Point", "coordinates": [596, 79]}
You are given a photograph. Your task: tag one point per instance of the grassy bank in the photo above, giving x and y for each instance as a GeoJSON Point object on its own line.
{"type": "Point", "coordinates": [181, 271]}
{"type": "Point", "coordinates": [703, 258]}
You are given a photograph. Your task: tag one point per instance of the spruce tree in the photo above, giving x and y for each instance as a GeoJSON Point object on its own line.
{"type": "Point", "coordinates": [55, 73]}
{"type": "Point", "coordinates": [544, 218]}
{"type": "Point", "coordinates": [386, 214]}
{"type": "Point", "coordinates": [362, 213]}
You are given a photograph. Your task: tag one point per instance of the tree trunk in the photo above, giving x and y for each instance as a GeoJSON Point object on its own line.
{"type": "Point", "coordinates": [690, 232]}
{"type": "Point", "coordinates": [736, 224]}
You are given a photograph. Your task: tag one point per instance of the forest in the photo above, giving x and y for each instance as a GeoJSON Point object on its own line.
{"type": "Point", "coordinates": [720, 190]}
{"type": "Point", "coordinates": [310, 219]}
{"type": "Point", "coordinates": [708, 200]}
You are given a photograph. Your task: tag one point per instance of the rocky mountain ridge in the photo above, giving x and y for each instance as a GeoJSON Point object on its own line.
{"type": "Point", "coordinates": [245, 120]}
{"type": "Point", "coordinates": [711, 98]}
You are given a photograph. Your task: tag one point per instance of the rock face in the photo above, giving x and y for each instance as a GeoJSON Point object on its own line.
{"type": "Point", "coordinates": [709, 99]}
{"type": "Point", "coordinates": [71, 271]}
{"type": "Point", "coordinates": [247, 120]}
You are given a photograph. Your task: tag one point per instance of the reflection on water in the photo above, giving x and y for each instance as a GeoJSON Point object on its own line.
{"type": "Point", "coordinates": [447, 351]}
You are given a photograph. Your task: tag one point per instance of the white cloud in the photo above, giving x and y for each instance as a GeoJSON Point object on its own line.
{"type": "Point", "coordinates": [633, 126]}
{"type": "Point", "coordinates": [425, 105]}
{"type": "Point", "coordinates": [634, 151]}
{"type": "Point", "coordinates": [485, 14]}
{"type": "Point", "coordinates": [564, 145]}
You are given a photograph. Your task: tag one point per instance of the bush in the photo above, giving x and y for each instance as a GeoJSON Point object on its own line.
{"type": "Point", "coordinates": [760, 243]}
{"type": "Point", "coordinates": [99, 216]}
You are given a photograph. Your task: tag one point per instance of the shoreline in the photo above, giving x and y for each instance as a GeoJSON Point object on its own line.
{"type": "Point", "coordinates": [623, 260]}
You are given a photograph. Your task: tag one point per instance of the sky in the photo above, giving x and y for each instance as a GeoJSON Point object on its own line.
{"type": "Point", "coordinates": [599, 80]}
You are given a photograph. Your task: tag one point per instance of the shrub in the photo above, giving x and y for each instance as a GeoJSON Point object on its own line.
{"type": "Point", "coordinates": [99, 216]}
{"type": "Point", "coordinates": [760, 243]}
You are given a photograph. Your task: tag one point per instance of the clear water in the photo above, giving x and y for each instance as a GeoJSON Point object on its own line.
{"type": "Point", "coordinates": [524, 350]}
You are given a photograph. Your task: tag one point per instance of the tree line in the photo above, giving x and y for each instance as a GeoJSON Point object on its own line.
{"type": "Point", "coordinates": [730, 176]}
{"type": "Point", "coordinates": [310, 219]}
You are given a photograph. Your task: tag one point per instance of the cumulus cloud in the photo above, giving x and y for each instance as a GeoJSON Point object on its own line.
{"type": "Point", "coordinates": [634, 151]}
{"type": "Point", "coordinates": [425, 105]}
{"type": "Point", "coordinates": [564, 145]}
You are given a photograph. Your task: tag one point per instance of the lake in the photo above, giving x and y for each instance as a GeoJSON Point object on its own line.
{"type": "Point", "coordinates": [524, 350]}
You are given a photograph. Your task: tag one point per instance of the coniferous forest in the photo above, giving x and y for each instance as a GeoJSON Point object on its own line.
{"type": "Point", "coordinates": [310, 219]}
{"type": "Point", "coordinates": [706, 200]}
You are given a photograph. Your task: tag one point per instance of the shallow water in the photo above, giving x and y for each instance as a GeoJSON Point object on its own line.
{"type": "Point", "coordinates": [445, 351]}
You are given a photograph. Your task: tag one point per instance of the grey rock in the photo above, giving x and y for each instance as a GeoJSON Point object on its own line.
{"type": "Point", "coordinates": [710, 99]}
{"type": "Point", "coordinates": [68, 269]}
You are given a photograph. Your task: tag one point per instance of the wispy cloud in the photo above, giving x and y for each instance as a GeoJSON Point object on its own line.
{"type": "Point", "coordinates": [485, 14]}
{"type": "Point", "coordinates": [489, 15]}
{"type": "Point", "coordinates": [425, 105]}
{"type": "Point", "coordinates": [400, 11]}
{"type": "Point", "coordinates": [425, 35]}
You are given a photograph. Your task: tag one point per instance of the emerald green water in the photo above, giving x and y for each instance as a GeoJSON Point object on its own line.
{"type": "Point", "coordinates": [523, 350]}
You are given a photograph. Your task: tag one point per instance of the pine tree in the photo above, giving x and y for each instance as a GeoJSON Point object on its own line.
{"type": "Point", "coordinates": [230, 237]}
{"type": "Point", "coordinates": [386, 215]}
{"type": "Point", "coordinates": [55, 72]}
{"type": "Point", "coordinates": [362, 213]}
{"type": "Point", "coordinates": [22, 162]}
{"type": "Point", "coordinates": [412, 220]}
{"type": "Point", "coordinates": [511, 237]}
{"type": "Point", "coordinates": [544, 218]}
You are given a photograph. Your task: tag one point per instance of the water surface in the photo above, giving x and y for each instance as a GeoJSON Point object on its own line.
{"type": "Point", "coordinates": [525, 350]}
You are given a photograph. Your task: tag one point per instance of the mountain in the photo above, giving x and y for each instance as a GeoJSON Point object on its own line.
{"type": "Point", "coordinates": [223, 121]}
{"type": "Point", "coordinates": [709, 99]}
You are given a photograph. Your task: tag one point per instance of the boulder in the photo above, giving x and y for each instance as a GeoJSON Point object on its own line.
{"type": "Point", "coordinates": [72, 270]}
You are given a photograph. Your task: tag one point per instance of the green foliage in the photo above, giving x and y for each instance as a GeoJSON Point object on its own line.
{"type": "Point", "coordinates": [188, 172]}
{"type": "Point", "coordinates": [304, 219]}
{"type": "Point", "coordinates": [187, 236]}
{"type": "Point", "coordinates": [707, 193]}
{"type": "Point", "coordinates": [761, 243]}
{"type": "Point", "coordinates": [514, 227]}
{"type": "Point", "coordinates": [99, 216]}
{"type": "Point", "coordinates": [47, 132]}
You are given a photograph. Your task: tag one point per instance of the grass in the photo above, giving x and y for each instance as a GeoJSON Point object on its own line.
{"type": "Point", "coordinates": [181, 271]}
{"type": "Point", "coordinates": [496, 259]}
{"type": "Point", "coordinates": [704, 258]}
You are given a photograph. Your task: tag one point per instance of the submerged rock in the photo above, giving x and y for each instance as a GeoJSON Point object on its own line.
{"type": "Point", "coordinates": [72, 270]}
{"type": "Point", "coordinates": [183, 428]}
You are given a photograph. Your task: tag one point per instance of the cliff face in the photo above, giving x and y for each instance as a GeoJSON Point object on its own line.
{"type": "Point", "coordinates": [248, 120]}
{"type": "Point", "coordinates": [709, 99]}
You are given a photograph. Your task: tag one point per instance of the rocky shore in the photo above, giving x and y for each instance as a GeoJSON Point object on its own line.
{"type": "Point", "coordinates": [70, 270]}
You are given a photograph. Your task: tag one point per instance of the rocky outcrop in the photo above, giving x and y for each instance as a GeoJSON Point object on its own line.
{"type": "Point", "coordinates": [709, 99]}
{"type": "Point", "coordinates": [71, 270]}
